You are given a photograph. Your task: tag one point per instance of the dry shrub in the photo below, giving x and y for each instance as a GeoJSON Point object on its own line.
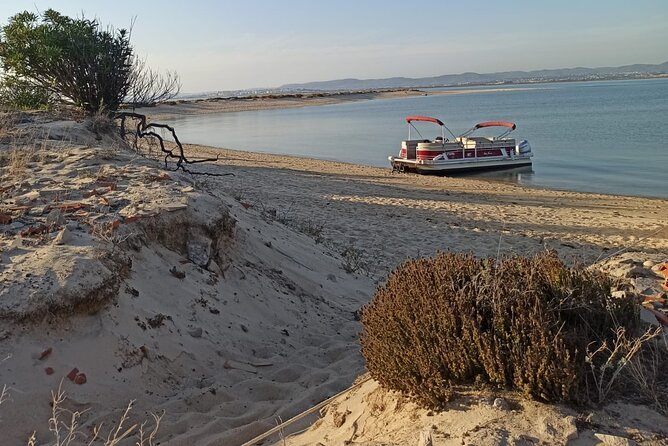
{"type": "Point", "coordinates": [518, 323]}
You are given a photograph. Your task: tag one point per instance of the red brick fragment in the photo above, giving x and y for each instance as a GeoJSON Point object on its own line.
{"type": "Point", "coordinates": [49, 370]}
{"type": "Point", "coordinates": [69, 206]}
{"type": "Point", "coordinates": [73, 374]}
{"type": "Point", "coordinates": [130, 219]}
{"type": "Point", "coordinates": [45, 354]}
{"type": "Point", "coordinates": [34, 230]}
{"type": "Point", "coordinates": [110, 184]}
{"type": "Point", "coordinates": [5, 219]}
{"type": "Point", "coordinates": [246, 205]}
{"type": "Point", "coordinates": [80, 379]}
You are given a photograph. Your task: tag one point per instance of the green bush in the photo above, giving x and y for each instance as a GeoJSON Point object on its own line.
{"type": "Point", "coordinates": [75, 60]}
{"type": "Point", "coordinates": [518, 323]}
{"type": "Point", "coordinates": [22, 96]}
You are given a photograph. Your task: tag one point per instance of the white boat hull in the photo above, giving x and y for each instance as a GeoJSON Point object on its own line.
{"type": "Point", "coordinates": [454, 166]}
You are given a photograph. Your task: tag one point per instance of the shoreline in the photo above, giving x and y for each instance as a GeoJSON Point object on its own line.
{"type": "Point", "coordinates": [469, 176]}
{"type": "Point", "coordinates": [174, 109]}
{"type": "Point", "coordinates": [189, 107]}
{"type": "Point", "coordinates": [479, 215]}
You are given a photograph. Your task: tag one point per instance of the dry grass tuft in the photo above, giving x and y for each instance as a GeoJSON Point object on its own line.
{"type": "Point", "coordinates": [66, 430]}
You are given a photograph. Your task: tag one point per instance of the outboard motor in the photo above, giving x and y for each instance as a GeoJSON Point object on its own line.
{"type": "Point", "coordinates": [523, 147]}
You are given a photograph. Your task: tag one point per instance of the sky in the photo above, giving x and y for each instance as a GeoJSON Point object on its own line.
{"type": "Point", "coordinates": [244, 44]}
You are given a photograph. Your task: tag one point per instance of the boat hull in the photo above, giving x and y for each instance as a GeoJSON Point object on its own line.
{"type": "Point", "coordinates": [450, 167]}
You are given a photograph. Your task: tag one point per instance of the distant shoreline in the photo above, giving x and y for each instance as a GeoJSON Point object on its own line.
{"type": "Point", "coordinates": [191, 107]}
{"type": "Point", "coordinates": [176, 109]}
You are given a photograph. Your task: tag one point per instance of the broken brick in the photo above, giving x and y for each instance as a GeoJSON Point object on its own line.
{"type": "Point", "coordinates": [5, 219]}
{"type": "Point", "coordinates": [110, 184]}
{"type": "Point", "coordinates": [49, 370]}
{"type": "Point", "coordinates": [45, 354]}
{"type": "Point", "coordinates": [73, 206]}
{"type": "Point", "coordinates": [130, 219]}
{"type": "Point", "coordinates": [73, 374]}
{"type": "Point", "coordinates": [34, 230]}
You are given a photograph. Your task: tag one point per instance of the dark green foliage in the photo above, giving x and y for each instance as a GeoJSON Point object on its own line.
{"type": "Point", "coordinates": [520, 323]}
{"type": "Point", "coordinates": [23, 96]}
{"type": "Point", "coordinates": [72, 59]}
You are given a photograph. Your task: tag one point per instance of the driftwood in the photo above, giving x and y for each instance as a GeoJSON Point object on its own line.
{"type": "Point", "coordinates": [145, 129]}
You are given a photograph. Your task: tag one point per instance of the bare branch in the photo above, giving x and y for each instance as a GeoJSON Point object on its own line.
{"type": "Point", "coordinates": [145, 129]}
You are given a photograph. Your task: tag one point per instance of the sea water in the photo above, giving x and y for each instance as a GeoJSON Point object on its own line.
{"type": "Point", "coordinates": [608, 136]}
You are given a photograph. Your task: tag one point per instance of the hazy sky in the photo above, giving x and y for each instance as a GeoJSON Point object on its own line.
{"type": "Point", "coordinates": [225, 45]}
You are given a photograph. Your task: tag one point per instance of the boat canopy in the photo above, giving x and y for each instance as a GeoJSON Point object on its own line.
{"type": "Point", "coordinates": [510, 126]}
{"type": "Point", "coordinates": [410, 119]}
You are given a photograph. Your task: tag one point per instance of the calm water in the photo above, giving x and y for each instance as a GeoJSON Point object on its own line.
{"type": "Point", "coordinates": [609, 137]}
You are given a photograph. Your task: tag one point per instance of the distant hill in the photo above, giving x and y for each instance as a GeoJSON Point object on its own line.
{"type": "Point", "coordinates": [507, 77]}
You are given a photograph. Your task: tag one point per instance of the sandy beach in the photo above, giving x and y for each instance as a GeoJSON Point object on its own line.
{"type": "Point", "coordinates": [231, 303]}
{"type": "Point", "coordinates": [391, 216]}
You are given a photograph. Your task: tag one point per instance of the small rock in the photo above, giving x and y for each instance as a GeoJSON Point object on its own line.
{"type": "Point", "coordinates": [648, 316]}
{"type": "Point", "coordinates": [80, 379]}
{"type": "Point", "coordinates": [63, 237]}
{"type": "Point", "coordinates": [55, 217]}
{"type": "Point", "coordinates": [177, 273]}
{"type": "Point", "coordinates": [618, 294]}
{"type": "Point", "coordinates": [195, 332]}
{"type": "Point", "coordinates": [613, 440]}
{"type": "Point", "coordinates": [49, 370]}
{"type": "Point", "coordinates": [501, 404]}
{"type": "Point", "coordinates": [198, 252]}
{"type": "Point", "coordinates": [648, 264]}
{"type": "Point", "coordinates": [637, 271]}
{"type": "Point", "coordinates": [331, 277]}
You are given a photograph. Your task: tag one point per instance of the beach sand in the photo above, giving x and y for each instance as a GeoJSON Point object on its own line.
{"type": "Point", "coordinates": [231, 303]}
{"type": "Point", "coordinates": [390, 217]}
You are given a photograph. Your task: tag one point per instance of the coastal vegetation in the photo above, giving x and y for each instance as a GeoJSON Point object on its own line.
{"type": "Point", "coordinates": [530, 324]}
{"type": "Point", "coordinates": [49, 58]}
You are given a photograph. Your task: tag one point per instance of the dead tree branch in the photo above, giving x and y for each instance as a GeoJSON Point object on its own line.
{"type": "Point", "coordinates": [145, 129]}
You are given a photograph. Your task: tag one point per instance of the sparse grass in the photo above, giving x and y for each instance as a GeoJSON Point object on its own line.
{"type": "Point", "coordinates": [610, 360]}
{"type": "Point", "coordinates": [648, 372]}
{"type": "Point", "coordinates": [100, 123]}
{"type": "Point", "coordinates": [312, 229]}
{"type": "Point", "coordinates": [288, 217]}
{"type": "Point", "coordinates": [65, 428]}
{"type": "Point", "coordinates": [354, 260]}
